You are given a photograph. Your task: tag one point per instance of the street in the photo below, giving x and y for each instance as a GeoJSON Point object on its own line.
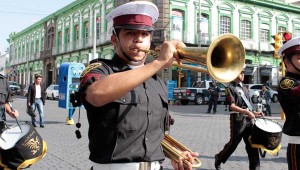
{"type": "Point", "coordinates": [205, 133]}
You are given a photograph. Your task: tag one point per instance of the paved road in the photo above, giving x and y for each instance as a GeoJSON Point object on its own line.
{"type": "Point", "coordinates": [204, 133]}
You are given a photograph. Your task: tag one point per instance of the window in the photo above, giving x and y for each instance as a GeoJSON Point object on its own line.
{"type": "Point", "coordinates": [42, 44]}
{"type": "Point", "coordinates": [177, 24]}
{"type": "Point", "coordinates": [296, 33]}
{"type": "Point", "coordinates": [67, 35]}
{"type": "Point", "coordinates": [32, 48]}
{"type": "Point", "coordinates": [37, 46]}
{"type": "Point", "coordinates": [76, 32]}
{"type": "Point", "coordinates": [256, 87]}
{"type": "Point", "coordinates": [281, 29]}
{"type": "Point", "coordinates": [204, 23]}
{"type": "Point", "coordinates": [264, 35]}
{"type": "Point", "coordinates": [224, 25]}
{"type": "Point", "coordinates": [27, 49]}
{"type": "Point", "coordinates": [98, 28]}
{"type": "Point", "coordinates": [86, 31]}
{"type": "Point", "coordinates": [59, 38]}
{"type": "Point", "coordinates": [245, 30]}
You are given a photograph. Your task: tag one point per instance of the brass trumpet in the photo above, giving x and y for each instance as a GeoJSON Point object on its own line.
{"type": "Point", "coordinates": [173, 150]}
{"type": "Point", "coordinates": [224, 58]}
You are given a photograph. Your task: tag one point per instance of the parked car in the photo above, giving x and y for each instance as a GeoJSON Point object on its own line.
{"type": "Point", "coordinates": [14, 83]}
{"type": "Point", "coordinates": [257, 87]}
{"type": "Point", "coordinates": [52, 91]}
{"type": "Point", "coordinates": [16, 90]}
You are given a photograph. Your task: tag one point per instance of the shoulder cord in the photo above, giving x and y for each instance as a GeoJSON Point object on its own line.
{"type": "Point", "coordinates": [78, 125]}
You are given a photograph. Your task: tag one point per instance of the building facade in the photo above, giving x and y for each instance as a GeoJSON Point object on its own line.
{"type": "Point", "coordinates": [79, 32]}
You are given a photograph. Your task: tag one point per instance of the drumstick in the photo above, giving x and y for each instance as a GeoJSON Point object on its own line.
{"type": "Point", "coordinates": [15, 116]}
{"type": "Point", "coordinates": [3, 139]}
{"type": "Point", "coordinates": [263, 117]}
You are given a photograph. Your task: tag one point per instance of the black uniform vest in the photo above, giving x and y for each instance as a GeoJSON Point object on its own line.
{"type": "Point", "coordinates": [131, 128]}
{"type": "Point", "coordinates": [290, 104]}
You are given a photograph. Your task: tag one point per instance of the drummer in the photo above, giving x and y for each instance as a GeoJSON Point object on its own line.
{"type": "Point", "coordinates": [240, 118]}
{"type": "Point", "coordinates": [5, 98]}
{"type": "Point", "coordinates": [289, 98]}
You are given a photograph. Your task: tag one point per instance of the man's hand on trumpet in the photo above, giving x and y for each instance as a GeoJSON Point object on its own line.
{"type": "Point", "coordinates": [168, 52]}
{"type": "Point", "coordinates": [180, 165]}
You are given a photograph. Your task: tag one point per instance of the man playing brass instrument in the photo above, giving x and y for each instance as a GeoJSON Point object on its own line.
{"type": "Point", "coordinates": [289, 98]}
{"type": "Point", "coordinates": [240, 124]}
{"type": "Point", "coordinates": [126, 103]}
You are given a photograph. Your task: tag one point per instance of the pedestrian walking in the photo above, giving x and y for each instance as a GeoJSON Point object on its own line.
{"type": "Point", "coordinates": [36, 100]}
{"type": "Point", "coordinates": [214, 94]}
{"type": "Point", "coordinates": [266, 95]}
{"type": "Point", "coordinates": [240, 124]}
{"type": "Point", "coordinates": [126, 102]}
{"type": "Point", "coordinates": [289, 99]}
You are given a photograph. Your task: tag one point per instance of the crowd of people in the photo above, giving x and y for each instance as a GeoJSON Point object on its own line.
{"type": "Point", "coordinates": [127, 104]}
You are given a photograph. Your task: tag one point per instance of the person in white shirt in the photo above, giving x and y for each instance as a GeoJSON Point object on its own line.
{"type": "Point", "coordinates": [36, 99]}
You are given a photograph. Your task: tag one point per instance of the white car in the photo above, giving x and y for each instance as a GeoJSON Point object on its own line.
{"type": "Point", "coordinates": [52, 91]}
{"type": "Point", "coordinates": [257, 87]}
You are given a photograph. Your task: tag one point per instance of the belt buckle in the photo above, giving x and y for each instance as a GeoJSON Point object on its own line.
{"type": "Point", "coordinates": [145, 166]}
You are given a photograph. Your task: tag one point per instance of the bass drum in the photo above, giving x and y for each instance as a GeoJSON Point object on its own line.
{"type": "Point", "coordinates": [266, 134]}
{"type": "Point", "coordinates": [21, 146]}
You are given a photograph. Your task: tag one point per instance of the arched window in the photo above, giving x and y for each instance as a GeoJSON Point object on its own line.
{"type": "Point", "coordinates": [264, 32]}
{"type": "Point", "coordinates": [281, 29]}
{"type": "Point", "coordinates": [245, 30]}
{"type": "Point", "coordinates": [177, 24]}
{"type": "Point", "coordinates": [225, 24]}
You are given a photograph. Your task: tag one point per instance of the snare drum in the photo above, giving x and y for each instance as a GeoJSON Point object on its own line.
{"type": "Point", "coordinates": [21, 146]}
{"type": "Point", "coordinates": [266, 134]}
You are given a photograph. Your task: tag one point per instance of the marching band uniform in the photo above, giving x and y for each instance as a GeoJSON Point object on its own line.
{"type": "Point", "coordinates": [289, 98]}
{"type": "Point", "coordinates": [5, 96]}
{"type": "Point", "coordinates": [240, 128]}
{"type": "Point", "coordinates": [126, 130]}
{"type": "Point", "coordinates": [127, 133]}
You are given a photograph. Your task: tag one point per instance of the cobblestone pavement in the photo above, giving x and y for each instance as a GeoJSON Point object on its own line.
{"type": "Point", "coordinates": [204, 133]}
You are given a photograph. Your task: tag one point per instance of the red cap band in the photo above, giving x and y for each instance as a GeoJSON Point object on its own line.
{"type": "Point", "coordinates": [133, 19]}
{"type": "Point", "coordinates": [292, 50]}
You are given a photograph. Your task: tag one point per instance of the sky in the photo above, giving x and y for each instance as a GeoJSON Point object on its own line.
{"type": "Point", "coordinates": [16, 15]}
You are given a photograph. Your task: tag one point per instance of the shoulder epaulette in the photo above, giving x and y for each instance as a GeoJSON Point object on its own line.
{"type": "Point", "coordinates": [287, 83]}
{"type": "Point", "coordinates": [90, 67]}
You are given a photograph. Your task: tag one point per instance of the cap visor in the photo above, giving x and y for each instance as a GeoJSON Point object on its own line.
{"type": "Point", "coordinates": [135, 27]}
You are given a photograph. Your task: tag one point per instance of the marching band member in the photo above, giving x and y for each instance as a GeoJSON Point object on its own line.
{"type": "Point", "coordinates": [240, 124]}
{"type": "Point", "coordinates": [126, 103]}
{"type": "Point", "coordinates": [289, 98]}
{"type": "Point", "coordinates": [5, 98]}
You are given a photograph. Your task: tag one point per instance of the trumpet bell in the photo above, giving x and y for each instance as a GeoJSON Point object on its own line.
{"type": "Point", "coordinates": [225, 58]}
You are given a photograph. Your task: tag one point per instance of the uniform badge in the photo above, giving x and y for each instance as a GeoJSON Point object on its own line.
{"type": "Point", "coordinates": [89, 68]}
{"type": "Point", "coordinates": [287, 84]}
